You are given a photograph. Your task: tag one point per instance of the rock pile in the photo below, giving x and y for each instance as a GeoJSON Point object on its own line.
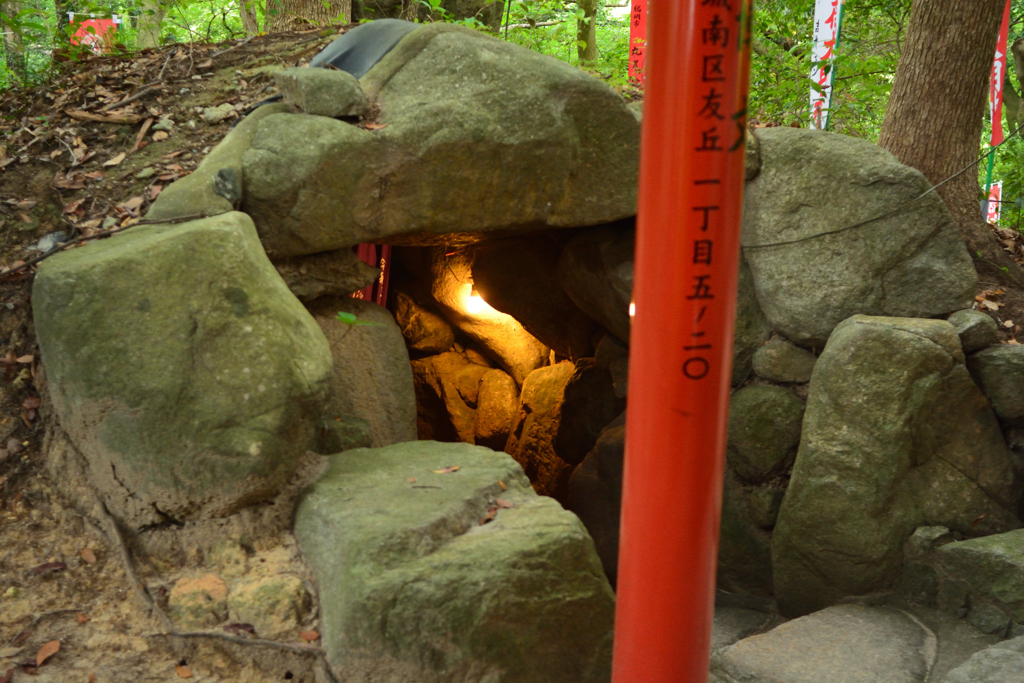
{"type": "Point", "coordinates": [194, 363]}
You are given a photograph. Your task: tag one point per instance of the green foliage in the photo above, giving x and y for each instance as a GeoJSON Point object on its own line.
{"type": "Point", "coordinates": [353, 321]}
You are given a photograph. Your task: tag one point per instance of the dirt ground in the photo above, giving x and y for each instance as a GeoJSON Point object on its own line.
{"type": "Point", "coordinates": [81, 601]}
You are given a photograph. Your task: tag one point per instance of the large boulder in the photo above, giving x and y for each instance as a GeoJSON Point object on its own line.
{"type": "Point", "coordinates": [843, 644]}
{"type": "Point", "coordinates": [475, 134]}
{"type": "Point", "coordinates": [752, 328]}
{"type": "Point", "coordinates": [417, 583]}
{"type": "Point", "coordinates": [447, 390]}
{"type": "Point", "coordinates": [182, 368]}
{"type": "Point", "coordinates": [895, 436]}
{"type": "Point", "coordinates": [985, 576]}
{"type": "Point", "coordinates": [764, 431]}
{"type": "Point", "coordinates": [372, 376]}
{"type": "Point", "coordinates": [812, 185]}
{"type": "Point", "coordinates": [331, 273]}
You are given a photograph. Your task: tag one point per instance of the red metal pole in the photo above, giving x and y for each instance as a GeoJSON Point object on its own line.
{"type": "Point", "coordinates": [687, 256]}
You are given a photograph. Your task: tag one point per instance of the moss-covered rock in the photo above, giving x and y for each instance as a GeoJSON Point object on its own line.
{"type": "Point", "coordinates": [414, 586]}
{"type": "Point", "coordinates": [180, 365]}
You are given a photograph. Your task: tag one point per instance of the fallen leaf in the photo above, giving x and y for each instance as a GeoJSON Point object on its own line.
{"type": "Point", "coordinates": [92, 678]}
{"type": "Point", "coordinates": [26, 204]}
{"type": "Point", "coordinates": [1013, 342]}
{"type": "Point", "coordinates": [46, 651]}
{"type": "Point", "coordinates": [6, 678]}
{"type": "Point", "coordinates": [71, 207]}
{"type": "Point", "coordinates": [99, 118]}
{"type": "Point", "coordinates": [132, 204]}
{"type": "Point", "coordinates": [25, 360]}
{"type": "Point", "coordinates": [205, 65]}
{"type": "Point", "coordinates": [6, 652]}
{"type": "Point", "coordinates": [492, 512]}
{"type": "Point", "coordinates": [411, 480]}
{"type": "Point", "coordinates": [81, 618]}
{"type": "Point", "coordinates": [447, 470]}
{"type": "Point", "coordinates": [1008, 323]}
{"type": "Point", "coordinates": [88, 555]}
{"type": "Point", "coordinates": [160, 135]}
{"type": "Point", "coordinates": [31, 403]}
{"type": "Point", "coordinates": [309, 636]}
{"type": "Point", "coordinates": [183, 671]}
{"type": "Point", "coordinates": [990, 305]}
{"type": "Point", "coordinates": [115, 161]}
{"type": "Point", "coordinates": [502, 485]}
{"type": "Point", "coordinates": [502, 503]}
{"type": "Point", "coordinates": [22, 637]}
{"type": "Point", "coordinates": [374, 126]}
{"type": "Point", "coordinates": [977, 521]}
{"type": "Point", "coordinates": [49, 568]}
{"type": "Point", "coordinates": [155, 191]}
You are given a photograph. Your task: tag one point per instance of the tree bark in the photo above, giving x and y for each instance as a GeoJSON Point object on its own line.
{"type": "Point", "coordinates": [14, 47]}
{"type": "Point", "coordinates": [292, 15]}
{"type": "Point", "coordinates": [247, 11]}
{"type": "Point", "coordinates": [150, 19]}
{"type": "Point", "coordinates": [586, 31]}
{"type": "Point", "coordinates": [936, 112]}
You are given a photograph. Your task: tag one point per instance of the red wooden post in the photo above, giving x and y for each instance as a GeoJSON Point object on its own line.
{"type": "Point", "coordinates": [687, 256]}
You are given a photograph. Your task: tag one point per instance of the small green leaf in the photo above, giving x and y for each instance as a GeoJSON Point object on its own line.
{"type": "Point", "coordinates": [347, 318]}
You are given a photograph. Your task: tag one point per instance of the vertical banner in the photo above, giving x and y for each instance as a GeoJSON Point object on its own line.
{"type": "Point", "coordinates": [828, 17]}
{"type": "Point", "coordinates": [995, 105]}
{"type": "Point", "coordinates": [637, 41]}
{"type": "Point", "coordinates": [995, 198]}
{"type": "Point", "coordinates": [997, 80]}
{"type": "Point", "coordinates": [687, 259]}
{"type": "Point", "coordinates": [97, 34]}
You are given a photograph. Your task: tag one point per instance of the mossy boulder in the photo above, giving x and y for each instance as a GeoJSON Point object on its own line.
{"type": "Point", "coordinates": [431, 573]}
{"type": "Point", "coordinates": [180, 365]}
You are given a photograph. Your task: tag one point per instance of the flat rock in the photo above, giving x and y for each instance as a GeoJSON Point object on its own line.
{"type": "Point", "coordinates": [1000, 663]}
{"type": "Point", "coordinates": [414, 587]}
{"type": "Point", "coordinates": [842, 644]}
{"type": "Point", "coordinates": [913, 264]}
{"type": "Point", "coordinates": [895, 436]}
{"type": "Point", "coordinates": [999, 371]}
{"type": "Point", "coordinates": [372, 377]}
{"type": "Point", "coordinates": [732, 624]}
{"type": "Point", "coordinates": [497, 402]}
{"type": "Point", "coordinates": [181, 367]}
{"type": "Point", "coordinates": [332, 273]}
{"type": "Point", "coordinates": [463, 117]}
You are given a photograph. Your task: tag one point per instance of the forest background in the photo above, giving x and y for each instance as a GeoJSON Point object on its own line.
{"type": "Point", "coordinates": [872, 37]}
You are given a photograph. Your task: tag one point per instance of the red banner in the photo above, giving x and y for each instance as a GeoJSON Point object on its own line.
{"type": "Point", "coordinates": [378, 291]}
{"type": "Point", "coordinates": [96, 34]}
{"type": "Point", "coordinates": [995, 89]}
{"type": "Point", "coordinates": [637, 41]}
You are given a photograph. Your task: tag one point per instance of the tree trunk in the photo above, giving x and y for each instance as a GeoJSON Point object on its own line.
{"type": "Point", "coordinates": [293, 15]}
{"type": "Point", "coordinates": [586, 31]}
{"type": "Point", "coordinates": [150, 19]}
{"type": "Point", "coordinates": [1017, 51]}
{"type": "Point", "coordinates": [936, 112]}
{"type": "Point", "coordinates": [247, 10]}
{"type": "Point", "coordinates": [14, 47]}
{"type": "Point", "coordinates": [1011, 105]}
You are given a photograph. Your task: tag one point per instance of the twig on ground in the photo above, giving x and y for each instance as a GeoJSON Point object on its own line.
{"type": "Point", "coordinates": [315, 652]}
{"type": "Point", "coordinates": [160, 77]}
{"type": "Point", "coordinates": [128, 100]}
{"type": "Point", "coordinates": [233, 47]}
{"type": "Point", "coordinates": [142, 133]}
{"type": "Point", "coordinates": [39, 619]}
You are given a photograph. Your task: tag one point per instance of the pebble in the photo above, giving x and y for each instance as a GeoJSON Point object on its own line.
{"type": "Point", "coordinates": [147, 172]}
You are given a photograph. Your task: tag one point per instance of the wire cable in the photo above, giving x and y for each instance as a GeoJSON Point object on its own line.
{"type": "Point", "coordinates": [893, 212]}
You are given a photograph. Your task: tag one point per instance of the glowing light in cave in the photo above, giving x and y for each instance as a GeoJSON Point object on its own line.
{"type": "Point", "coordinates": [475, 305]}
{"type": "Point", "coordinates": [632, 309]}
